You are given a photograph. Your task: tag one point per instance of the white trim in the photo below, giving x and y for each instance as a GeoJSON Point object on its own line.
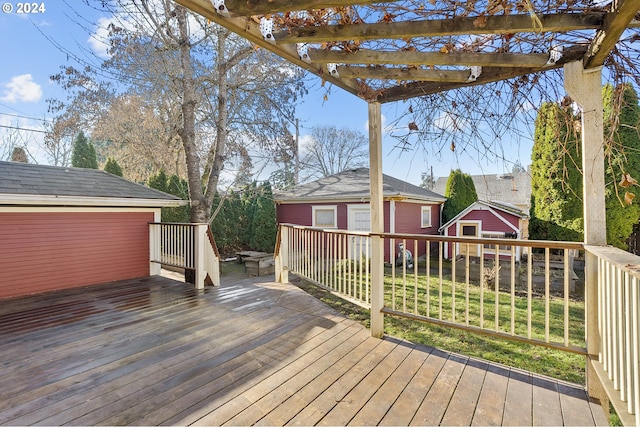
{"type": "Point", "coordinates": [392, 216]}
{"type": "Point", "coordinates": [430, 209]}
{"type": "Point", "coordinates": [27, 209]}
{"type": "Point", "coordinates": [358, 206]}
{"type": "Point", "coordinates": [47, 200]}
{"type": "Point", "coordinates": [334, 208]}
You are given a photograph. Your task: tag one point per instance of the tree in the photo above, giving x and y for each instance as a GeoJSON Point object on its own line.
{"type": "Point", "coordinates": [621, 133]}
{"type": "Point", "coordinates": [19, 155]}
{"type": "Point", "coordinates": [263, 222]}
{"type": "Point", "coordinates": [556, 208]}
{"type": "Point", "coordinates": [84, 155]}
{"type": "Point", "coordinates": [175, 186]}
{"type": "Point", "coordinates": [334, 150]}
{"type": "Point", "coordinates": [428, 180]}
{"type": "Point", "coordinates": [556, 178]}
{"type": "Point", "coordinates": [200, 85]}
{"type": "Point", "coordinates": [460, 192]}
{"type": "Point", "coordinates": [113, 167]}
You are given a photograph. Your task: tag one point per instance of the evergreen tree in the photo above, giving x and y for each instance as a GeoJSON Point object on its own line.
{"type": "Point", "coordinates": [263, 224]}
{"type": "Point", "coordinates": [113, 167]}
{"type": "Point", "coordinates": [84, 154]}
{"type": "Point", "coordinates": [159, 181]}
{"type": "Point", "coordinates": [624, 159]}
{"type": "Point", "coordinates": [175, 186]}
{"type": "Point", "coordinates": [249, 207]}
{"type": "Point", "coordinates": [556, 208]}
{"type": "Point", "coordinates": [556, 179]}
{"type": "Point", "coordinates": [460, 193]}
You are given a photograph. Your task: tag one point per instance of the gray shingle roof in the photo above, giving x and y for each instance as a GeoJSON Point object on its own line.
{"type": "Point", "coordinates": [29, 179]}
{"type": "Point", "coordinates": [513, 188]}
{"type": "Point", "coordinates": [352, 184]}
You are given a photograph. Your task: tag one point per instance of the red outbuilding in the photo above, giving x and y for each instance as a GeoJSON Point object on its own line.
{"type": "Point", "coordinates": [63, 227]}
{"type": "Point", "coordinates": [341, 201]}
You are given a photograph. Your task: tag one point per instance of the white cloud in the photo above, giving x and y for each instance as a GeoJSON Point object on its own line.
{"type": "Point", "coordinates": [22, 88]}
{"type": "Point", "coordinates": [97, 40]}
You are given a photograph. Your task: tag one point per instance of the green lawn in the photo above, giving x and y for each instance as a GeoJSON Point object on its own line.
{"type": "Point", "coordinates": [554, 363]}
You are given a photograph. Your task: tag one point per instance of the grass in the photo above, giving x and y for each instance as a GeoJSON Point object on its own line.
{"type": "Point", "coordinates": [554, 363]}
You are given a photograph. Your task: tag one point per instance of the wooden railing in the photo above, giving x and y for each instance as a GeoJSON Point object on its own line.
{"type": "Point", "coordinates": [534, 292]}
{"type": "Point", "coordinates": [618, 359]}
{"type": "Point", "coordinates": [187, 246]}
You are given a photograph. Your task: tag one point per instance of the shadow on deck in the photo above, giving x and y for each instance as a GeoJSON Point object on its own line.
{"type": "Point", "coordinates": [155, 351]}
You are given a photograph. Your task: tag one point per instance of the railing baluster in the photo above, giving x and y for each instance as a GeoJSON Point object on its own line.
{"type": "Point", "coordinates": [440, 280]}
{"type": "Point", "coordinates": [466, 293]}
{"type": "Point", "coordinates": [415, 277]}
{"type": "Point", "coordinates": [547, 288]}
{"type": "Point", "coordinates": [496, 266]}
{"type": "Point", "coordinates": [529, 291]}
{"type": "Point", "coordinates": [482, 284]}
{"type": "Point", "coordinates": [513, 290]}
{"type": "Point", "coordinates": [453, 282]}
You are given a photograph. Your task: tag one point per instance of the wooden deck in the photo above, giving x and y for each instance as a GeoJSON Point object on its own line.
{"type": "Point", "coordinates": [155, 351]}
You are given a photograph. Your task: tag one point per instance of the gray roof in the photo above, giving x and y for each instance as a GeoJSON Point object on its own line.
{"type": "Point", "coordinates": [40, 180]}
{"type": "Point", "coordinates": [512, 188]}
{"type": "Point", "coordinates": [354, 184]}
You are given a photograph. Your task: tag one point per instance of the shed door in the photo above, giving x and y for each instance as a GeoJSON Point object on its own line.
{"type": "Point", "coordinates": [468, 230]}
{"type": "Point", "coordinates": [43, 251]}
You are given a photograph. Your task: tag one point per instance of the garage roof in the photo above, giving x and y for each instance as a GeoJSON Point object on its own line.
{"type": "Point", "coordinates": [22, 183]}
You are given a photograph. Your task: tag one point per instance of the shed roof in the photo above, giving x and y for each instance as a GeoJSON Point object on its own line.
{"type": "Point", "coordinates": [40, 184]}
{"type": "Point", "coordinates": [354, 184]}
{"type": "Point", "coordinates": [507, 208]}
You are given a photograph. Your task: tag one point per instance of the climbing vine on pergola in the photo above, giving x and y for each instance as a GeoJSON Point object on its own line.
{"type": "Point", "coordinates": [461, 57]}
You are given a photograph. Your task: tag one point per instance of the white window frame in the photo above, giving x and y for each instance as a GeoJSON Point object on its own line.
{"type": "Point", "coordinates": [424, 209]}
{"type": "Point", "coordinates": [333, 208]}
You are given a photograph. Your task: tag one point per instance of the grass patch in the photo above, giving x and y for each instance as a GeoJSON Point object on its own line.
{"type": "Point", "coordinates": [557, 364]}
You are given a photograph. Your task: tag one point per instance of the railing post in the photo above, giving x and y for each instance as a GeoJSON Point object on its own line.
{"type": "Point", "coordinates": [282, 255]}
{"type": "Point", "coordinates": [155, 268]}
{"type": "Point", "coordinates": [585, 87]}
{"type": "Point", "coordinates": [200, 236]}
{"type": "Point", "coordinates": [377, 220]}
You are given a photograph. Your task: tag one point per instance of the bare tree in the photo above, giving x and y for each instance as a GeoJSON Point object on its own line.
{"type": "Point", "coordinates": [192, 82]}
{"type": "Point", "coordinates": [334, 150]}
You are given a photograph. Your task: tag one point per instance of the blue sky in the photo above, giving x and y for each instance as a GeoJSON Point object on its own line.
{"type": "Point", "coordinates": [34, 46]}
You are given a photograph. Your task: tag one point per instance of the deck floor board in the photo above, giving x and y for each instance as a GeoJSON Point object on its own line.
{"type": "Point", "coordinates": [154, 351]}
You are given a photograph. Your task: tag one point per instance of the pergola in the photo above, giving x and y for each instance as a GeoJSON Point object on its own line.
{"type": "Point", "coordinates": [390, 51]}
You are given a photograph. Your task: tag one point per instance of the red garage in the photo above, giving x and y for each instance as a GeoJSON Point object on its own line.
{"type": "Point", "coordinates": [68, 227]}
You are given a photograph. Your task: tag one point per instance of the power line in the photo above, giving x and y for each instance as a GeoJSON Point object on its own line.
{"type": "Point", "coordinates": [26, 117]}
{"type": "Point", "coordinates": [25, 129]}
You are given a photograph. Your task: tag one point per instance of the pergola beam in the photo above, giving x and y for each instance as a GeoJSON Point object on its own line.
{"type": "Point", "coordinates": [615, 22]}
{"type": "Point", "coordinates": [404, 74]}
{"type": "Point", "coordinates": [264, 7]}
{"type": "Point", "coordinates": [247, 28]}
{"type": "Point", "coordinates": [363, 56]}
{"type": "Point", "coordinates": [441, 27]}
{"type": "Point", "coordinates": [489, 75]}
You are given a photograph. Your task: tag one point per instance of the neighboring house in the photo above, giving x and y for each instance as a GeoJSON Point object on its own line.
{"type": "Point", "coordinates": [341, 201]}
{"type": "Point", "coordinates": [511, 189]}
{"type": "Point", "coordinates": [69, 227]}
{"type": "Point", "coordinates": [486, 220]}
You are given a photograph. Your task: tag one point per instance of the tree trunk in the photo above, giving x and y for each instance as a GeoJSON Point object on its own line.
{"type": "Point", "coordinates": [199, 207]}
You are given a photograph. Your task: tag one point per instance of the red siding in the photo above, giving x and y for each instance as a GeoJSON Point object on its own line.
{"type": "Point", "coordinates": [54, 250]}
{"type": "Point", "coordinates": [490, 222]}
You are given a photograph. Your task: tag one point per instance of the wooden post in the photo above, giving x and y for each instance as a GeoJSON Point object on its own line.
{"type": "Point", "coordinates": [377, 220]}
{"type": "Point", "coordinates": [200, 237]}
{"type": "Point", "coordinates": [585, 87]}
{"type": "Point", "coordinates": [282, 255]}
{"type": "Point", "coordinates": [155, 268]}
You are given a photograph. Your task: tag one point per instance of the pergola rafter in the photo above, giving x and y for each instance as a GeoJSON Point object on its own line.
{"type": "Point", "coordinates": [386, 57]}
